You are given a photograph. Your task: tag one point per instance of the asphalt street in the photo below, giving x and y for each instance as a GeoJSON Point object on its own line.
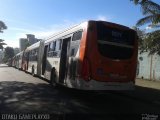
{"type": "Point", "coordinates": [22, 93]}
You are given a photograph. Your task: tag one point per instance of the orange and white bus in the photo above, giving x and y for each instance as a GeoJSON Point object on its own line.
{"type": "Point", "coordinates": [94, 55]}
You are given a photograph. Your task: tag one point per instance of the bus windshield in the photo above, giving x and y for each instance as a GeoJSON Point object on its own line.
{"type": "Point", "coordinates": [114, 42]}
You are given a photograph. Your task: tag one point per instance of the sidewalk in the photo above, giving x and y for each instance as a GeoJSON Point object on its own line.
{"type": "Point", "coordinates": [146, 91]}
{"type": "Point", "coordinates": [3, 65]}
{"type": "Point", "coordinates": [148, 83]}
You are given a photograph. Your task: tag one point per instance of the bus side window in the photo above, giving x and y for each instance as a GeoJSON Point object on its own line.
{"type": "Point", "coordinates": [72, 52]}
{"type": "Point", "coordinates": [77, 36]}
{"type": "Point", "coordinates": [75, 43]}
{"type": "Point", "coordinates": [54, 46]}
{"type": "Point", "coordinates": [57, 48]}
{"type": "Point", "coordinates": [33, 53]}
{"type": "Point", "coordinates": [30, 55]}
{"type": "Point", "coordinates": [60, 46]}
{"type": "Point", "coordinates": [49, 50]}
{"type": "Point", "coordinates": [51, 46]}
{"type": "Point", "coordinates": [36, 53]}
{"type": "Point", "coordinates": [57, 45]}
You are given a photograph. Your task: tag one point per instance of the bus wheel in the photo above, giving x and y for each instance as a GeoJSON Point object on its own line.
{"type": "Point", "coordinates": [25, 69]}
{"type": "Point", "coordinates": [53, 78]}
{"type": "Point", "coordinates": [33, 74]}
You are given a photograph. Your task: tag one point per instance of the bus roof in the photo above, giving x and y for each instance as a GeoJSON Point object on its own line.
{"type": "Point", "coordinates": [35, 45]}
{"type": "Point", "coordinates": [19, 53]}
{"type": "Point", "coordinates": [78, 27]}
{"type": "Point", "coordinates": [66, 32]}
{"type": "Point", "coordinates": [69, 31]}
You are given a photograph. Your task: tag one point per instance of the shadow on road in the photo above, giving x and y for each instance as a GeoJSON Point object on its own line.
{"type": "Point", "coordinates": [21, 97]}
{"type": "Point", "coordinates": [144, 94]}
{"type": "Point", "coordinates": [27, 97]}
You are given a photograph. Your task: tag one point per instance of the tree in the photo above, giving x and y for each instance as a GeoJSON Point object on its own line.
{"type": "Point", "coordinates": [2, 26]}
{"type": "Point", "coordinates": [1, 44]}
{"type": "Point", "coordinates": [151, 11]}
{"type": "Point", "coordinates": [8, 53]}
{"type": "Point", "coordinates": [141, 34]}
{"type": "Point", "coordinates": [152, 42]}
{"type": "Point", "coordinates": [139, 1]}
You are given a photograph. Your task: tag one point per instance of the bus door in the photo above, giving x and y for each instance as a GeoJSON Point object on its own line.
{"type": "Point", "coordinates": [73, 55]}
{"type": "Point", "coordinates": [40, 58]}
{"type": "Point", "coordinates": [44, 59]}
{"type": "Point", "coordinates": [64, 59]}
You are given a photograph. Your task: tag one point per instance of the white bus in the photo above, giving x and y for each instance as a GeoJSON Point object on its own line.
{"type": "Point", "coordinates": [18, 60]}
{"type": "Point", "coordinates": [32, 58]}
{"type": "Point", "coordinates": [94, 55]}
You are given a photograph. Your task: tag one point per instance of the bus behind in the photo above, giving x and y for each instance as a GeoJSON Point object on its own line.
{"type": "Point", "coordinates": [110, 57]}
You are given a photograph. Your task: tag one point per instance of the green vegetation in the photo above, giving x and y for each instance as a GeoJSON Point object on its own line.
{"type": "Point", "coordinates": [151, 12]}
{"type": "Point", "coordinates": [8, 53]}
{"type": "Point", "coordinates": [2, 27]}
{"type": "Point", "coordinates": [1, 44]}
{"type": "Point", "coordinates": [152, 42]}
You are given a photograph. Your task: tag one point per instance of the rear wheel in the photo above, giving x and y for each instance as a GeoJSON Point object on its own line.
{"type": "Point", "coordinates": [33, 74]}
{"type": "Point", "coordinates": [25, 68]}
{"type": "Point", "coordinates": [53, 78]}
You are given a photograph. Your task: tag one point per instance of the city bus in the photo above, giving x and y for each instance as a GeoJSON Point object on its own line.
{"type": "Point", "coordinates": [14, 61]}
{"type": "Point", "coordinates": [94, 55]}
{"type": "Point", "coordinates": [18, 60]}
{"type": "Point", "coordinates": [30, 60]}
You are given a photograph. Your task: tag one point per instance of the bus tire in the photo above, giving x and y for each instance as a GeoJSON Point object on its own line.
{"type": "Point", "coordinates": [25, 69]}
{"type": "Point", "coordinates": [33, 74]}
{"type": "Point", "coordinates": [53, 78]}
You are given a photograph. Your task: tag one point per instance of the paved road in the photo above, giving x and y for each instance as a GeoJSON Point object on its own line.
{"type": "Point", "coordinates": [22, 93]}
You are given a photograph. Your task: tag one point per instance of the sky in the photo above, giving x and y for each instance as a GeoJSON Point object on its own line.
{"type": "Point", "coordinates": [45, 17]}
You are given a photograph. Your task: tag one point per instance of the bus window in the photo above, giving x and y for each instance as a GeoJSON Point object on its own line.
{"type": "Point", "coordinates": [51, 49]}
{"type": "Point", "coordinates": [72, 52]}
{"type": "Point", "coordinates": [115, 43]}
{"type": "Point", "coordinates": [52, 46]}
{"type": "Point", "coordinates": [26, 56]}
{"type": "Point", "coordinates": [33, 55]}
{"type": "Point", "coordinates": [36, 53]}
{"type": "Point", "coordinates": [30, 55]}
{"type": "Point", "coordinates": [75, 43]}
{"type": "Point", "coordinates": [58, 45]}
{"type": "Point", "coordinates": [77, 36]}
